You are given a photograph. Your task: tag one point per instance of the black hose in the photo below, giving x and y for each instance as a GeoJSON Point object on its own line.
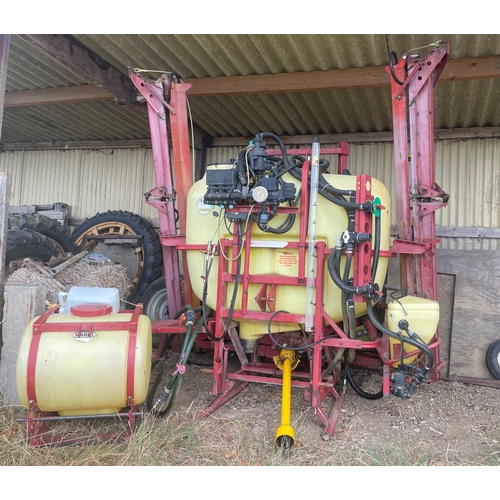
{"type": "Point", "coordinates": [334, 363]}
{"type": "Point", "coordinates": [358, 389]}
{"type": "Point", "coordinates": [204, 308]}
{"type": "Point", "coordinates": [170, 79]}
{"type": "Point", "coordinates": [280, 144]}
{"type": "Point", "coordinates": [393, 57]}
{"type": "Point", "coordinates": [332, 194]}
{"type": "Point", "coordinates": [297, 162]}
{"type": "Point", "coordinates": [285, 226]}
{"type": "Point", "coordinates": [172, 388]}
{"type": "Point", "coordinates": [376, 247]}
{"type": "Point", "coordinates": [352, 327]}
{"type": "Point", "coordinates": [301, 348]}
{"type": "Point", "coordinates": [150, 401]}
{"type": "Point", "coordinates": [333, 258]}
{"type": "Point", "coordinates": [419, 345]}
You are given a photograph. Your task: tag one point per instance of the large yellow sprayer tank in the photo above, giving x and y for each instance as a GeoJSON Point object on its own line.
{"type": "Point", "coordinates": [270, 253]}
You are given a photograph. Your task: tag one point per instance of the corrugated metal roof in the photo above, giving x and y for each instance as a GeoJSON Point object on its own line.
{"type": "Point", "coordinates": [29, 69]}
{"type": "Point", "coordinates": [89, 121]}
{"type": "Point", "coordinates": [460, 104]}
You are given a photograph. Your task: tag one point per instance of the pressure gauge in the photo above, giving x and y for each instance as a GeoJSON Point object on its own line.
{"type": "Point", "coordinates": [259, 194]}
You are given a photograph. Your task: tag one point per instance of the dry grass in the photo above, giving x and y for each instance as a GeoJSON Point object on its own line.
{"type": "Point", "coordinates": [185, 439]}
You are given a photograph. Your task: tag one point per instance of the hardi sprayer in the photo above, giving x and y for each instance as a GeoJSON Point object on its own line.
{"type": "Point", "coordinates": [288, 254]}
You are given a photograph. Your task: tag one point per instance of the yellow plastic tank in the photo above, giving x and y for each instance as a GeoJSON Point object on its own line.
{"type": "Point", "coordinates": [270, 255]}
{"type": "Point", "coordinates": [85, 372]}
{"type": "Point", "coordinates": [422, 316]}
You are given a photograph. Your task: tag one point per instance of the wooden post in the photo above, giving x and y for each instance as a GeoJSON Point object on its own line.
{"type": "Point", "coordinates": [4, 208]}
{"type": "Point", "coordinates": [4, 177]}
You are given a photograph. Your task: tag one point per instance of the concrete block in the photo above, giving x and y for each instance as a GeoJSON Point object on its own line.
{"type": "Point", "coordinates": [21, 305]}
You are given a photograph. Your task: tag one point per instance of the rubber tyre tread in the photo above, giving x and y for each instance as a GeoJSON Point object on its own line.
{"type": "Point", "coordinates": [45, 225]}
{"type": "Point", "coordinates": [492, 355]}
{"type": "Point", "coordinates": [152, 251]}
{"type": "Point", "coordinates": [25, 243]}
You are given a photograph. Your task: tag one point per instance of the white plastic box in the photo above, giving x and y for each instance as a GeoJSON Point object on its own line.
{"type": "Point", "coordinates": [82, 295]}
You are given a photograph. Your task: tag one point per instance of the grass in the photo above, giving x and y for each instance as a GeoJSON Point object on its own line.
{"type": "Point", "coordinates": [185, 439]}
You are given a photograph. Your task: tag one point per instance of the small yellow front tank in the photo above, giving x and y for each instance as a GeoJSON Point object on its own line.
{"type": "Point", "coordinates": [422, 316]}
{"type": "Point", "coordinates": [85, 375]}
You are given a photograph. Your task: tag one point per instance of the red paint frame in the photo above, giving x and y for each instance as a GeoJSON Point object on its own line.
{"type": "Point", "coordinates": [413, 110]}
{"type": "Point", "coordinates": [416, 248]}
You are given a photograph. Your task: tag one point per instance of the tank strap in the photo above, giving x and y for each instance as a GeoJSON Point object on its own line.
{"type": "Point", "coordinates": [32, 356]}
{"type": "Point", "coordinates": [132, 342]}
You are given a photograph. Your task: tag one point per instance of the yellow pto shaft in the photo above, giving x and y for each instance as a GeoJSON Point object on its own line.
{"type": "Point", "coordinates": [286, 361]}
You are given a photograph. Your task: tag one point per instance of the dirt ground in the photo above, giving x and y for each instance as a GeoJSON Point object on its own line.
{"type": "Point", "coordinates": [452, 422]}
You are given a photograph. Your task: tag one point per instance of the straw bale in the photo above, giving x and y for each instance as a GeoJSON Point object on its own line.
{"type": "Point", "coordinates": [79, 274]}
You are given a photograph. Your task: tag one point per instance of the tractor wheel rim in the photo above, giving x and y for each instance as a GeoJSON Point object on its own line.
{"type": "Point", "coordinates": [114, 229]}
{"type": "Point", "coordinates": [157, 308]}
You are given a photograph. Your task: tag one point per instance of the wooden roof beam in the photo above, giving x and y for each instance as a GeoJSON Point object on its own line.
{"type": "Point", "coordinates": [59, 95]}
{"type": "Point", "coordinates": [337, 79]}
{"type": "Point", "coordinates": [105, 88]}
{"type": "Point", "coordinates": [85, 64]}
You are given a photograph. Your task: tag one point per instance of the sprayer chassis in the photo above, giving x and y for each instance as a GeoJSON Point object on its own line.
{"type": "Point", "coordinates": [417, 198]}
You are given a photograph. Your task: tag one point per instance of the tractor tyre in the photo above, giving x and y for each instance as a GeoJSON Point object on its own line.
{"type": "Point", "coordinates": [141, 257]}
{"type": "Point", "coordinates": [493, 359]}
{"type": "Point", "coordinates": [27, 244]}
{"type": "Point", "coordinates": [51, 228]}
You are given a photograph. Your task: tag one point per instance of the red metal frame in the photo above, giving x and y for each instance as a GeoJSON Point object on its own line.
{"type": "Point", "coordinates": [167, 198]}
{"type": "Point", "coordinates": [415, 243]}
{"type": "Point", "coordinates": [418, 195]}
{"type": "Point", "coordinates": [327, 333]}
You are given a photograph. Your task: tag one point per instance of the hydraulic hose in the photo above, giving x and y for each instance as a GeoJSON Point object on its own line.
{"type": "Point", "coordinates": [393, 58]}
{"type": "Point", "coordinates": [334, 363]}
{"type": "Point", "coordinates": [358, 389]}
{"type": "Point", "coordinates": [352, 327]}
{"type": "Point", "coordinates": [376, 248]}
{"type": "Point", "coordinates": [170, 79]}
{"type": "Point", "coordinates": [419, 345]}
{"type": "Point", "coordinates": [171, 390]}
{"type": "Point", "coordinates": [334, 264]}
{"type": "Point", "coordinates": [204, 307]}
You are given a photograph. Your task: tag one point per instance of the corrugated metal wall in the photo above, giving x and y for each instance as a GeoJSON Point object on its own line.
{"type": "Point", "coordinates": [92, 181]}
{"type": "Point", "coordinates": [89, 181]}
{"type": "Point", "coordinates": [467, 170]}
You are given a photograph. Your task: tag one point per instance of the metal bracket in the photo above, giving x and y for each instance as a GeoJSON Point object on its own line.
{"type": "Point", "coordinates": [412, 247]}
